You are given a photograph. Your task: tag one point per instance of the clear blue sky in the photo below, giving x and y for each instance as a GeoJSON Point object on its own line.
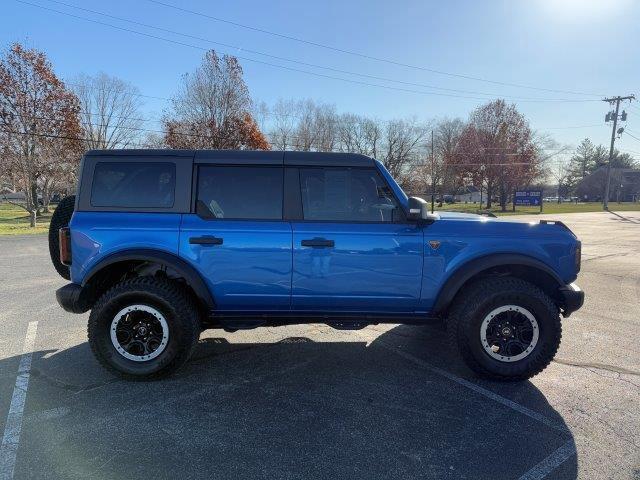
{"type": "Point", "coordinates": [587, 46]}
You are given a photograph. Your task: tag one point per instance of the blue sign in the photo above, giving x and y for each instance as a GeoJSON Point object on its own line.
{"type": "Point", "coordinates": [528, 197]}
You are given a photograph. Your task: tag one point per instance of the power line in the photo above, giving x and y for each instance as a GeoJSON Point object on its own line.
{"type": "Point", "coordinates": [632, 136]}
{"type": "Point", "coordinates": [369, 57]}
{"type": "Point", "coordinates": [357, 82]}
{"type": "Point", "coordinates": [573, 126]}
{"type": "Point", "coordinates": [314, 65]}
{"type": "Point", "coordinates": [60, 137]}
{"type": "Point", "coordinates": [291, 137]}
{"type": "Point", "coordinates": [307, 72]}
{"type": "Point", "coordinates": [271, 113]}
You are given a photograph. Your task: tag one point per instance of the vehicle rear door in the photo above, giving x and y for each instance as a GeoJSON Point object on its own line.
{"type": "Point", "coordinates": [353, 249]}
{"type": "Point", "coordinates": [236, 236]}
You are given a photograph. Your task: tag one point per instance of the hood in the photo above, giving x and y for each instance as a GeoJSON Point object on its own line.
{"type": "Point", "coordinates": [504, 225]}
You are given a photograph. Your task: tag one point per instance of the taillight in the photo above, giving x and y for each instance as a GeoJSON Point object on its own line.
{"type": "Point", "coordinates": [64, 236]}
{"type": "Point", "coordinates": [578, 258]}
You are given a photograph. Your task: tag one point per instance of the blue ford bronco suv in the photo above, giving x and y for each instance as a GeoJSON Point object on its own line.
{"type": "Point", "coordinates": [162, 244]}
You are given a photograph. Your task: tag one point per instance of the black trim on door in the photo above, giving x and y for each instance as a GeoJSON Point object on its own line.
{"type": "Point", "coordinates": [318, 242]}
{"type": "Point", "coordinates": [292, 200]}
{"type": "Point", "coordinates": [206, 240]}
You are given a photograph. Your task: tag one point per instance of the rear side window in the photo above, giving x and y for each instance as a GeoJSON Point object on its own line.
{"type": "Point", "coordinates": [251, 193]}
{"type": "Point", "coordinates": [133, 185]}
{"type": "Point", "coordinates": [346, 195]}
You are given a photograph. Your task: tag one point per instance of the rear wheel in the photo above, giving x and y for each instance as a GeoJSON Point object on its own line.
{"type": "Point", "coordinates": [505, 328]}
{"type": "Point", "coordinates": [145, 327]}
{"type": "Point", "coordinates": [60, 218]}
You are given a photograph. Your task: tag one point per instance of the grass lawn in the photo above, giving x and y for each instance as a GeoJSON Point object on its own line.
{"type": "Point", "coordinates": [15, 220]}
{"type": "Point", "coordinates": [547, 208]}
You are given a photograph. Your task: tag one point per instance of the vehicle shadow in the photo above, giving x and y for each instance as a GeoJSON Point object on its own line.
{"type": "Point", "coordinates": [336, 406]}
{"type": "Point", "coordinates": [622, 218]}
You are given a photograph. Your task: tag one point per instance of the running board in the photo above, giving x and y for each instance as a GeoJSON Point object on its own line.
{"type": "Point", "coordinates": [233, 321]}
{"type": "Point", "coordinates": [348, 325]}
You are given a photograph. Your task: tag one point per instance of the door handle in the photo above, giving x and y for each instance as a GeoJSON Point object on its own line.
{"type": "Point", "coordinates": [206, 240]}
{"type": "Point", "coordinates": [318, 243]}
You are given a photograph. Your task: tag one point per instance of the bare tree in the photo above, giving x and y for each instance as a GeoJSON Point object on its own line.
{"type": "Point", "coordinates": [326, 126]}
{"type": "Point", "coordinates": [284, 123]}
{"type": "Point", "coordinates": [359, 134]}
{"type": "Point", "coordinates": [446, 141]}
{"type": "Point", "coordinates": [304, 125]}
{"type": "Point", "coordinates": [110, 111]}
{"type": "Point", "coordinates": [261, 115]}
{"type": "Point", "coordinates": [213, 109]}
{"type": "Point", "coordinates": [436, 172]}
{"type": "Point", "coordinates": [403, 144]}
{"type": "Point", "coordinates": [560, 173]}
{"type": "Point", "coordinates": [316, 126]}
{"type": "Point", "coordinates": [153, 140]}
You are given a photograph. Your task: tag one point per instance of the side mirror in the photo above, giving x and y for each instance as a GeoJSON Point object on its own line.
{"type": "Point", "coordinates": [419, 210]}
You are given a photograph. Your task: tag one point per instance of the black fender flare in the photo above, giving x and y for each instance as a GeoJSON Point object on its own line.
{"type": "Point", "coordinates": [468, 270]}
{"type": "Point", "coordinates": [191, 275]}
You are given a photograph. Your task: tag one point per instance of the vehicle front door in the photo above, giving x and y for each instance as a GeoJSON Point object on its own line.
{"type": "Point", "coordinates": [353, 250]}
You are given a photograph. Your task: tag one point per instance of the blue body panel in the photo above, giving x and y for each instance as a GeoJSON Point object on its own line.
{"type": "Point", "coordinates": [251, 270]}
{"type": "Point", "coordinates": [96, 235]}
{"type": "Point", "coordinates": [374, 267]}
{"type": "Point", "coordinates": [464, 238]}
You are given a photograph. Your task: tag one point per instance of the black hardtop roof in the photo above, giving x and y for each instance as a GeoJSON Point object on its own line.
{"type": "Point", "coordinates": [264, 157]}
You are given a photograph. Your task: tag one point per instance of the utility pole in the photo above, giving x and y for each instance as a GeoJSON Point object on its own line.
{"type": "Point", "coordinates": [433, 172]}
{"type": "Point", "coordinates": [612, 116]}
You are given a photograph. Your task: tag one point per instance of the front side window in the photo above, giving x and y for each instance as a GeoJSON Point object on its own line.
{"type": "Point", "coordinates": [346, 195]}
{"type": "Point", "coordinates": [240, 192]}
{"type": "Point", "coordinates": [133, 185]}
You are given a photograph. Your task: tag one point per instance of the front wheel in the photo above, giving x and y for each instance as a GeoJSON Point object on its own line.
{"type": "Point", "coordinates": [144, 328]}
{"type": "Point", "coordinates": [505, 328]}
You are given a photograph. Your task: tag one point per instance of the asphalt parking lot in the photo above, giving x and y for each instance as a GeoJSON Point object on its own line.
{"type": "Point", "coordinates": [309, 402]}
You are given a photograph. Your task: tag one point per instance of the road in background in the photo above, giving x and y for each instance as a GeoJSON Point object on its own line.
{"type": "Point", "coordinates": [312, 402]}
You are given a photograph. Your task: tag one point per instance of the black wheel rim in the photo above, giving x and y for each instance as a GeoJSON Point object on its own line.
{"type": "Point", "coordinates": [139, 333]}
{"type": "Point", "coordinates": [509, 333]}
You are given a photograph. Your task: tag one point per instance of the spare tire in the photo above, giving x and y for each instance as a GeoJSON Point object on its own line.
{"type": "Point", "coordinates": [60, 218]}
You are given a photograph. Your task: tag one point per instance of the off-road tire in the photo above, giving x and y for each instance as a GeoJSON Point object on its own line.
{"type": "Point", "coordinates": [60, 218]}
{"type": "Point", "coordinates": [166, 296]}
{"type": "Point", "coordinates": [476, 301]}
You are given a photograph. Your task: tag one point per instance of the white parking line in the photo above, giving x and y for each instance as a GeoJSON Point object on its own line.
{"type": "Point", "coordinates": [546, 466]}
{"type": "Point", "coordinates": [477, 388]}
{"type": "Point", "coordinates": [13, 426]}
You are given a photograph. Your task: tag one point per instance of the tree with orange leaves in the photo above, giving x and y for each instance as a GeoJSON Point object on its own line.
{"type": "Point", "coordinates": [213, 109]}
{"type": "Point", "coordinates": [39, 128]}
{"type": "Point", "coordinates": [497, 149]}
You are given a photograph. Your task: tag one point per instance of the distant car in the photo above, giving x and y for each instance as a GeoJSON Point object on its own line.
{"type": "Point", "coordinates": [161, 244]}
